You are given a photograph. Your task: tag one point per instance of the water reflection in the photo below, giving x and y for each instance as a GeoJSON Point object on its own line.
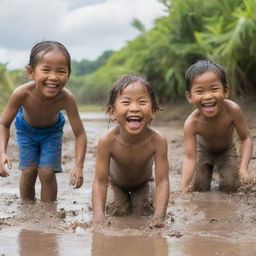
{"type": "Point", "coordinates": [196, 246]}
{"type": "Point", "coordinates": [128, 245]}
{"type": "Point", "coordinates": [37, 243]}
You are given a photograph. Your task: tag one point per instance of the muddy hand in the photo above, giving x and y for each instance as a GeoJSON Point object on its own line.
{"type": "Point", "coordinates": [76, 178]}
{"type": "Point", "coordinates": [246, 178]}
{"type": "Point", "coordinates": [156, 222]}
{"type": "Point", "coordinates": [101, 223]}
{"type": "Point", "coordinates": [5, 162]}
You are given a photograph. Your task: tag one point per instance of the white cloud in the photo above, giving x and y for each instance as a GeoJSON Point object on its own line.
{"type": "Point", "coordinates": [87, 28]}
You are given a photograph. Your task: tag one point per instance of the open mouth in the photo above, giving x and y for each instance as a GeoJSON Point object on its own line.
{"type": "Point", "coordinates": [134, 121]}
{"type": "Point", "coordinates": [209, 106]}
{"type": "Point", "coordinates": [212, 104]}
{"type": "Point", "coordinates": [53, 86]}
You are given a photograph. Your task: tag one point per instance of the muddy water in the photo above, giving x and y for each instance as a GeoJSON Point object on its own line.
{"type": "Point", "coordinates": [197, 224]}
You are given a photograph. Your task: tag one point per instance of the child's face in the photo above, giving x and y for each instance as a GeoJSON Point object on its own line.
{"type": "Point", "coordinates": [133, 109]}
{"type": "Point", "coordinates": [50, 73]}
{"type": "Point", "coordinates": [207, 94]}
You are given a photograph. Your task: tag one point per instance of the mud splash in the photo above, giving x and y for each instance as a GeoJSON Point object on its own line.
{"type": "Point", "coordinates": [211, 223]}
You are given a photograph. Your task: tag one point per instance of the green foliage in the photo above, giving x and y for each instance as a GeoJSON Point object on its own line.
{"type": "Point", "coordinates": [9, 80]}
{"type": "Point", "coordinates": [221, 30]}
{"type": "Point", "coordinates": [83, 67]}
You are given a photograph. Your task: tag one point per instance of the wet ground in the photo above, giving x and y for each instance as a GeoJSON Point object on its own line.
{"type": "Point", "coordinates": [197, 224]}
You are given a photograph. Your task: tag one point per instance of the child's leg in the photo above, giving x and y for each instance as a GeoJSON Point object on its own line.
{"type": "Point", "coordinates": [228, 170]}
{"type": "Point", "coordinates": [142, 199]}
{"type": "Point", "coordinates": [27, 184]}
{"type": "Point", "coordinates": [118, 203]}
{"type": "Point", "coordinates": [48, 184]}
{"type": "Point", "coordinates": [203, 177]}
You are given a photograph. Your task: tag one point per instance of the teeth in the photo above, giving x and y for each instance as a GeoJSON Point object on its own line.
{"type": "Point", "coordinates": [209, 104]}
{"type": "Point", "coordinates": [51, 85]}
{"type": "Point", "coordinates": [134, 119]}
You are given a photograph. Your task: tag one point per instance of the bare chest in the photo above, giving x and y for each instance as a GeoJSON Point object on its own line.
{"type": "Point", "coordinates": [41, 114]}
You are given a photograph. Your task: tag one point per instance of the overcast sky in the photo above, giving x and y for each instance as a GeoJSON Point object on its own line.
{"type": "Point", "coordinates": [85, 27]}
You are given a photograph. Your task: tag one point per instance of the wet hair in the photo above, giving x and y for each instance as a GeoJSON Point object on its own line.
{"type": "Point", "coordinates": [45, 47]}
{"type": "Point", "coordinates": [126, 80]}
{"type": "Point", "coordinates": [201, 67]}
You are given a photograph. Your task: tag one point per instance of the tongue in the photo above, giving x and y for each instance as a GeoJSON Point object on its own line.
{"type": "Point", "coordinates": [209, 109]}
{"type": "Point", "coordinates": [134, 124]}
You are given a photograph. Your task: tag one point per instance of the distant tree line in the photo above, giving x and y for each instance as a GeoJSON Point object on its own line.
{"type": "Point", "coordinates": [221, 30]}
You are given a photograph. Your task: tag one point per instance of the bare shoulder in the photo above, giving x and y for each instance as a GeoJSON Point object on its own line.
{"type": "Point", "coordinates": [231, 106]}
{"type": "Point", "coordinates": [157, 138]}
{"type": "Point", "coordinates": [108, 139]}
{"type": "Point", "coordinates": [67, 95]}
{"type": "Point", "coordinates": [20, 95]}
{"type": "Point", "coordinates": [24, 90]}
{"type": "Point", "coordinates": [192, 121]}
{"type": "Point", "coordinates": [233, 110]}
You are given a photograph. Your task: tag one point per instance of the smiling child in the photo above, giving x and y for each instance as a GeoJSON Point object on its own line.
{"type": "Point", "coordinates": [208, 132]}
{"type": "Point", "coordinates": [125, 156]}
{"type": "Point", "coordinates": [39, 122]}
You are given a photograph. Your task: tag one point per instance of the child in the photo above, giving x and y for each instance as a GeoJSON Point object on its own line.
{"type": "Point", "coordinates": [126, 154]}
{"type": "Point", "coordinates": [39, 122]}
{"type": "Point", "coordinates": [208, 132]}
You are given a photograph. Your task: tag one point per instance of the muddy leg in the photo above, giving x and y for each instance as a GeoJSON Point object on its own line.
{"type": "Point", "coordinates": [27, 184]}
{"type": "Point", "coordinates": [118, 203]}
{"type": "Point", "coordinates": [203, 178]}
{"type": "Point", "coordinates": [142, 199]}
{"type": "Point", "coordinates": [48, 185]}
{"type": "Point", "coordinates": [229, 178]}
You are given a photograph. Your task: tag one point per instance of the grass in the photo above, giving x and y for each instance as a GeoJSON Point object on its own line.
{"type": "Point", "coordinates": [87, 108]}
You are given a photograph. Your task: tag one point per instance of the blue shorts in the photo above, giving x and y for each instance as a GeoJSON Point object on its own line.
{"type": "Point", "coordinates": [39, 147]}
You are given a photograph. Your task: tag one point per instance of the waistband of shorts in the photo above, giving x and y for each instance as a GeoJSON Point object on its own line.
{"type": "Point", "coordinates": [21, 123]}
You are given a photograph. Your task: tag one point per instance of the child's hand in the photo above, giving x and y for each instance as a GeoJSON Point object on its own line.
{"type": "Point", "coordinates": [76, 177]}
{"type": "Point", "coordinates": [156, 222]}
{"type": "Point", "coordinates": [5, 160]}
{"type": "Point", "coordinates": [246, 177]}
{"type": "Point", "coordinates": [100, 222]}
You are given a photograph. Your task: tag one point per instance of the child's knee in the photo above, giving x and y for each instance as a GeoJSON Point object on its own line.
{"type": "Point", "coordinates": [229, 186]}
{"type": "Point", "coordinates": [229, 182]}
{"type": "Point", "coordinates": [28, 176]}
{"type": "Point", "coordinates": [115, 209]}
{"type": "Point", "coordinates": [146, 208]}
{"type": "Point", "coordinates": [46, 176]}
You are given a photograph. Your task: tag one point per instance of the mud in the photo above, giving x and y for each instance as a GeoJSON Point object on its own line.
{"type": "Point", "coordinates": [211, 223]}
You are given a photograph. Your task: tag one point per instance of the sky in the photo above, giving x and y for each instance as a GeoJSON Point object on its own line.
{"type": "Point", "coordinates": [86, 27]}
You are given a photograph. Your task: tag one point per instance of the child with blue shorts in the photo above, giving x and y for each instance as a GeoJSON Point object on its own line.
{"type": "Point", "coordinates": [39, 123]}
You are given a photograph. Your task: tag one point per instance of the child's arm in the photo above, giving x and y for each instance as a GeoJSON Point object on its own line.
{"type": "Point", "coordinates": [100, 182]}
{"type": "Point", "coordinates": [80, 142]}
{"type": "Point", "coordinates": [246, 147]}
{"type": "Point", "coordinates": [162, 183]}
{"type": "Point", "coordinates": [189, 161]}
{"type": "Point", "coordinates": [5, 123]}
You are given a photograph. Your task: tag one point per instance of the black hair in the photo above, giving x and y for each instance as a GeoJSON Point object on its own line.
{"type": "Point", "coordinates": [126, 80]}
{"type": "Point", "coordinates": [202, 66]}
{"type": "Point", "coordinates": [45, 47]}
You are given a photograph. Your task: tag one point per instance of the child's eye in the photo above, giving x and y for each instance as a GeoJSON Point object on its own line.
{"type": "Point", "coordinates": [62, 71]}
{"type": "Point", "coordinates": [143, 102]}
{"type": "Point", "coordinates": [214, 89]}
{"type": "Point", "coordinates": [45, 69]}
{"type": "Point", "coordinates": [125, 102]}
{"type": "Point", "coordinates": [199, 92]}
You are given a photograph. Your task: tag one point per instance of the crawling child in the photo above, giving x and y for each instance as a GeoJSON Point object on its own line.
{"type": "Point", "coordinates": [208, 132]}
{"type": "Point", "coordinates": [125, 156]}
